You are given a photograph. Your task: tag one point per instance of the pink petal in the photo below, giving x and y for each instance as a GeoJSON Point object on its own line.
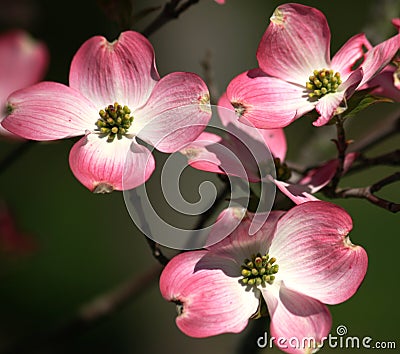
{"type": "Point", "coordinates": [315, 255]}
{"type": "Point", "coordinates": [396, 23]}
{"type": "Point", "coordinates": [267, 102]}
{"type": "Point", "coordinates": [349, 54]}
{"type": "Point", "coordinates": [378, 57]}
{"type": "Point", "coordinates": [295, 43]}
{"type": "Point", "coordinates": [103, 167]}
{"type": "Point", "coordinates": [176, 113]}
{"type": "Point", "coordinates": [275, 139]}
{"type": "Point", "coordinates": [200, 154]}
{"type": "Point", "coordinates": [384, 84]}
{"type": "Point", "coordinates": [298, 193]}
{"type": "Point", "coordinates": [49, 111]}
{"type": "Point", "coordinates": [239, 244]}
{"type": "Point", "coordinates": [221, 2]}
{"type": "Point", "coordinates": [212, 301]}
{"type": "Point", "coordinates": [297, 321]}
{"type": "Point", "coordinates": [121, 71]}
{"type": "Point", "coordinates": [328, 105]}
{"type": "Point", "coordinates": [23, 61]}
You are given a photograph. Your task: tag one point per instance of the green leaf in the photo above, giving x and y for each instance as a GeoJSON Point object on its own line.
{"type": "Point", "coordinates": [361, 100]}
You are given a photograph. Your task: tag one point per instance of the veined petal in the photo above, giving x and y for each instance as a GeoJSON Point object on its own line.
{"type": "Point", "coordinates": [122, 71]}
{"type": "Point", "coordinates": [200, 154]}
{"type": "Point", "coordinates": [209, 301]}
{"type": "Point", "coordinates": [275, 139]}
{"type": "Point", "coordinates": [298, 322]}
{"type": "Point", "coordinates": [378, 57]}
{"type": "Point", "coordinates": [23, 61]}
{"type": "Point", "coordinates": [295, 43]}
{"type": "Point", "coordinates": [103, 167]}
{"type": "Point", "coordinates": [49, 111]}
{"type": "Point", "coordinates": [348, 55]}
{"type": "Point", "coordinates": [267, 102]}
{"type": "Point", "coordinates": [328, 105]}
{"type": "Point", "coordinates": [176, 113]}
{"type": "Point", "coordinates": [384, 84]}
{"type": "Point", "coordinates": [315, 255]}
{"type": "Point", "coordinates": [298, 193]}
{"type": "Point", "coordinates": [239, 245]}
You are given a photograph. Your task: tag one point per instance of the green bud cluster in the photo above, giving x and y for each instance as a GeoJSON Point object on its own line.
{"type": "Point", "coordinates": [114, 121]}
{"type": "Point", "coordinates": [322, 82]}
{"type": "Point", "coordinates": [259, 270]}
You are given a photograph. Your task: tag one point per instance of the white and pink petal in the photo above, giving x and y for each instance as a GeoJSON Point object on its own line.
{"type": "Point", "coordinates": [267, 102]}
{"type": "Point", "coordinates": [350, 54]}
{"type": "Point", "coordinates": [296, 42]}
{"type": "Point", "coordinates": [121, 71]}
{"type": "Point", "coordinates": [315, 255]}
{"type": "Point", "coordinates": [210, 301]}
{"type": "Point", "coordinates": [103, 166]}
{"type": "Point", "coordinates": [49, 111]}
{"type": "Point", "coordinates": [176, 113]}
{"type": "Point", "coordinates": [298, 322]}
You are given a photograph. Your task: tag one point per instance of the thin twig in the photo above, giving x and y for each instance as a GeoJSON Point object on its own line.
{"type": "Point", "coordinates": [221, 196]}
{"type": "Point", "coordinates": [341, 145]}
{"type": "Point", "coordinates": [368, 193]}
{"type": "Point", "coordinates": [145, 228]}
{"type": "Point", "coordinates": [389, 159]}
{"type": "Point", "coordinates": [15, 154]}
{"type": "Point", "coordinates": [209, 78]}
{"type": "Point", "coordinates": [91, 313]}
{"type": "Point", "coordinates": [171, 11]}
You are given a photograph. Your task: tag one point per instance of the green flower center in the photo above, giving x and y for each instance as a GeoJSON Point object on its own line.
{"type": "Point", "coordinates": [259, 270]}
{"type": "Point", "coordinates": [322, 82]}
{"type": "Point", "coordinates": [114, 121]}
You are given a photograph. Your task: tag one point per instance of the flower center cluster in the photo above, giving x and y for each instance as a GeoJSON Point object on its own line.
{"type": "Point", "coordinates": [322, 82]}
{"type": "Point", "coordinates": [114, 121]}
{"type": "Point", "coordinates": [259, 270]}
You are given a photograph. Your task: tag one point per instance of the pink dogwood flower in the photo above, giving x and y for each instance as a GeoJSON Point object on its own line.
{"type": "Point", "coordinates": [237, 160]}
{"type": "Point", "coordinates": [387, 83]}
{"type": "Point", "coordinates": [296, 74]}
{"type": "Point", "coordinates": [296, 263]}
{"type": "Point", "coordinates": [115, 95]}
{"type": "Point", "coordinates": [23, 62]}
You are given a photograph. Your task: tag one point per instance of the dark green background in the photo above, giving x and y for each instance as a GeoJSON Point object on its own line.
{"type": "Point", "coordinates": [87, 244]}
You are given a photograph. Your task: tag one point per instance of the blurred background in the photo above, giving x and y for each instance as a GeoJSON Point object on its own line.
{"type": "Point", "coordinates": [77, 245]}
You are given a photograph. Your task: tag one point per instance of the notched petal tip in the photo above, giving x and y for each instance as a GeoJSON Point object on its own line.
{"type": "Point", "coordinates": [204, 101]}
{"type": "Point", "coordinates": [277, 17]}
{"type": "Point", "coordinates": [180, 306]}
{"type": "Point", "coordinates": [240, 108]}
{"type": "Point", "coordinates": [103, 188]}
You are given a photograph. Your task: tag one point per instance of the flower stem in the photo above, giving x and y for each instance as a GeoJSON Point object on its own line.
{"type": "Point", "coordinates": [171, 11]}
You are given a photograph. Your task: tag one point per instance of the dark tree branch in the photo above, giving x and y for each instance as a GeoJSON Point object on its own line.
{"type": "Point", "coordinates": [171, 11]}
{"type": "Point", "coordinates": [389, 159]}
{"type": "Point", "coordinates": [368, 193]}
